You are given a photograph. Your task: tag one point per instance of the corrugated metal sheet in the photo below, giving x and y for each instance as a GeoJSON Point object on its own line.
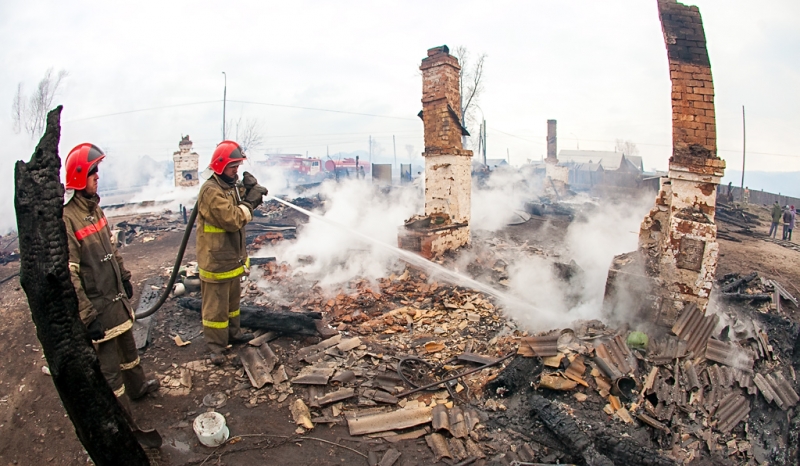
{"type": "Point", "coordinates": [732, 410]}
{"type": "Point", "coordinates": [400, 419]}
{"type": "Point", "coordinates": [694, 327]}
{"type": "Point", "coordinates": [729, 354]}
{"type": "Point", "coordinates": [692, 381]}
{"type": "Point", "coordinates": [616, 352]}
{"type": "Point", "coordinates": [776, 388]}
{"type": "Point", "coordinates": [745, 381]}
{"type": "Point", "coordinates": [543, 346]}
{"type": "Point", "coordinates": [665, 350]}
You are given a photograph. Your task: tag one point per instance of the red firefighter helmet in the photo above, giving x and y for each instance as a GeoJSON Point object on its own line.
{"type": "Point", "coordinates": [80, 161]}
{"type": "Point", "coordinates": [226, 153]}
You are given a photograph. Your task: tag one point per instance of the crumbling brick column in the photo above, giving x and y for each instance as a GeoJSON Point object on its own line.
{"type": "Point", "coordinates": [448, 167]}
{"type": "Point", "coordinates": [678, 238]}
{"type": "Point", "coordinates": [552, 146]}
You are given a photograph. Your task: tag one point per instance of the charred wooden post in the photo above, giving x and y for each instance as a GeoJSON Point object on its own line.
{"type": "Point", "coordinates": [567, 430]}
{"type": "Point", "coordinates": [258, 317]}
{"type": "Point", "coordinates": [99, 421]}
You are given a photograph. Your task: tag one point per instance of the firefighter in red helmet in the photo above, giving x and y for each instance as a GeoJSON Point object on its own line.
{"type": "Point", "coordinates": [100, 278]}
{"type": "Point", "coordinates": [224, 207]}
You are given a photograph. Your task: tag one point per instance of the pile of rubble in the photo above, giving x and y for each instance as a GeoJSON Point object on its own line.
{"type": "Point", "coordinates": [694, 387]}
{"type": "Point", "coordinates": [766, 295]}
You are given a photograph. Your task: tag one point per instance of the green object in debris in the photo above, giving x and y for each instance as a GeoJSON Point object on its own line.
{"type": "Point", "coordinates": [638, 340]}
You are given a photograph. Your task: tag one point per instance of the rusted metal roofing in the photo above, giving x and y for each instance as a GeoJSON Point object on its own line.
{"type": "Point", "coordinates": [729, 354]}
{"type": "Point", "coordinates": [692, 381]}
{"type": "Point", "coordinates": [399, 419]}
{"type": "Point", "coordinates": [311, 375]}
{"type": "Point", "coordinates": [733, 409]}
{"type": "Point", "coordinates": [776, 388]}
{"type": "Point", "coordinates": [616, 352]}
{"type": "Point", "coordinates": [543, 346]}
{"type": "Point", "coordinates": [576, 370]}
{"type": "Point", "coordinates": [694, 327]}
{"type": "Point", "coordinates": [665, 350]}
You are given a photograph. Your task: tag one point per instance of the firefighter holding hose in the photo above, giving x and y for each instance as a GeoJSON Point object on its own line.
{"type": "Point", "coordinates": [224, 208]}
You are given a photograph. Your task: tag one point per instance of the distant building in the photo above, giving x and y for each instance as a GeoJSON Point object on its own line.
{"type": "Point", "coordinates": [186, 164]}
{"type": "Point", "coordinates": [593, 170]}
{"type": "Point", "coordinates": [611, 161]}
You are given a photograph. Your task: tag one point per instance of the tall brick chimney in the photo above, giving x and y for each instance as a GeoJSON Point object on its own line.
{"type": "Point", "coordinates": [678, 237]}
{"type": "Point", "coordinates": [448, 167]}
{"type": "Point", "coordinates": [552, 152]}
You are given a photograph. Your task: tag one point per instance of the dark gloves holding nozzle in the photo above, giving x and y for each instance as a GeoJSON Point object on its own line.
{"type": "Point", "coordinates": [254, 192]}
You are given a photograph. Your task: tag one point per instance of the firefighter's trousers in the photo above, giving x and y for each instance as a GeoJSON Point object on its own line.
{"type": "Point", "coordinates": [119, 362]}
{"type": "Point", "coordinates": [220, 312]}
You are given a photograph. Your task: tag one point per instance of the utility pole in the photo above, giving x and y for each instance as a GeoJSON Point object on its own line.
{"type": "Point", "coordinates": [394, 147]}
{"type": "Point", "coordinates": [224, 101]}
{"type": "Point", "coordinates": [484, 142]}
{"type": "Point", "coordinates": [370, 151]}
{"type": "Point", "coordinates": [508, 156]}
{"type": "Point", "coordinates": [744, 141]}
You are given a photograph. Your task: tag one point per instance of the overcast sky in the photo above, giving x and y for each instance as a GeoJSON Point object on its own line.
{"type": "Point", "coordinates": [598, 67]}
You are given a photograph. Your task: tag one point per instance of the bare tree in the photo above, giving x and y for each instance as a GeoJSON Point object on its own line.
{"type": "Point", "coordinates": [32, 115]}
{"type": "Point", "coordinates": [248, 133]}
{"type": "Point", "coordinates": [626, 147]}
{"type": "Point", "coordinates": [470, 85]}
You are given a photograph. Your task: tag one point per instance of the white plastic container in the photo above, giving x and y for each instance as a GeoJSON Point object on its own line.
{"type": "Point", "coordinates": [210, 429]}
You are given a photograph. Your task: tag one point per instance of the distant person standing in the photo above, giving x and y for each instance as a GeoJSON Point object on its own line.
{"type": "Point", "coordinates": [746, 196]}
{"type": "Point", "coordinates": [793, 212]}
{"type": "Point", "coordinates": [777, 212]}
{"type": "Point", "coordinates": [787, 220]}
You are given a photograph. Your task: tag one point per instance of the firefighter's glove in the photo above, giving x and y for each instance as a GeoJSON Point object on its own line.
{"type": "Point", "coordinates": [254, 196]}
{"type": "Point", "coordinates": [96, 331]}
{"type": "Point", "coordinates": [248, 181]}
{"type": "Point", "coordinates": [128, 288]}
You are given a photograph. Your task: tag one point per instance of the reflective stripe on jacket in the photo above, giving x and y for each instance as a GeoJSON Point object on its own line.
{"type": "Point", "coordinates": [96, 267]}
{"type": "Point", "coordinates": [221, 217]}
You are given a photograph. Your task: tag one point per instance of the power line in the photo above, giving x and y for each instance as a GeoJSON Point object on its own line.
{"type": "Point", "coordinates": [323, 110]}
{"type": "Point", "coordinates": [143, 110]}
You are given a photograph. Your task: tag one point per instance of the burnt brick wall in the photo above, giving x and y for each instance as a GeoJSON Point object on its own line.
{"type": "Point", "coordinates": [693, 117]}
{"type": "Point", "coordinates": [440, 89]}
{"type": "Point", "coordinates": [552, 149]}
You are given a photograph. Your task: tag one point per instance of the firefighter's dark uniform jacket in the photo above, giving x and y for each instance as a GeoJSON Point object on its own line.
{"type": "Point", "coordinates": [96, 268]}
{"type": "Point", "coordinates": [221, 246]}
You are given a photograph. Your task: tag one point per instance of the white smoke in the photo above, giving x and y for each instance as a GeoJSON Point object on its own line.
{"type": "Point", "coordinates": [338, 255]}
{"type": "Point", "coordinates": [591, 241]}
{"type": "Point", "coordinates": [540, 298]}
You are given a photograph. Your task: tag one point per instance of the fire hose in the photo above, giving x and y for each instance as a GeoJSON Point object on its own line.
{"type": "Point", "coordinates": [175, 269]}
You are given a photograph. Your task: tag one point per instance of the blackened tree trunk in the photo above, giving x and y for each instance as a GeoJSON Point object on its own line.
{"type": "Point", "coordinates": [44, 275]}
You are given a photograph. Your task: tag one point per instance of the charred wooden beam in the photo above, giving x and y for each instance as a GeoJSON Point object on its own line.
{"type": "Point", "coordinates": [99, 421]}
{"type": "Point", "coordinates": [756, 297]}
{"type": "Point", "coordinates": [567, 430]}
{"type": "Point", "coordinates": [739, 282]}
{"type": "Point", "coordinates": [627, 451]}
{"type": "Point", "coordinates": [259, 317]}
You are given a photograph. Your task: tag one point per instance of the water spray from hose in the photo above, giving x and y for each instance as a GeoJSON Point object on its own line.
{"type": "Point", "coordinates": [434, 269]}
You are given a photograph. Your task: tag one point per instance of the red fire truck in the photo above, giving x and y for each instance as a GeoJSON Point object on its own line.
{"type": "Point", "coordinates": [347, 167]}
{"type": "Point", "coordinates": [300, 169]}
